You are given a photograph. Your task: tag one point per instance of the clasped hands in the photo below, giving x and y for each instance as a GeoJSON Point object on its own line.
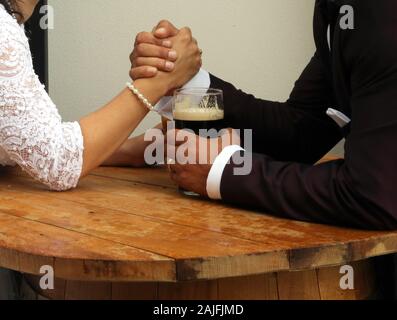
{"type": "Point", "coordinates": [166, 52]}
{"type": "Point", "coordinates": [172, 51]}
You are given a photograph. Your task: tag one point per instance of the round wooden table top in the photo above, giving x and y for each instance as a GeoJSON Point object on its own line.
{"type": "Point", "coordinates": [133, 225]}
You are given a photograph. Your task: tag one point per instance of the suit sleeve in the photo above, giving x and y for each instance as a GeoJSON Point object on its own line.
{"type": "Point", "coordinates": [359, 191]}
{"type": "Point", "coordinates": [297, 129]}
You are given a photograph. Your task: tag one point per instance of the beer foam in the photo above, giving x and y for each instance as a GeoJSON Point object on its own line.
{"type": "Point", "coordinates": [198, 114]}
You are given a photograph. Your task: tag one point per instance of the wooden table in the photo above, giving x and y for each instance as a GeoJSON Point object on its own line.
{"type": "Point", "coordinates": [128, 234]}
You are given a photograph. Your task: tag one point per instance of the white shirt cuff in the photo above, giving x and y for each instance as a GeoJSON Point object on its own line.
{"type": "Point", "coordinates": [215, 176]}
{"type": "Point", "coordinates": [341, 119]}
{"type": "Point", "coordinates": [200, 80]}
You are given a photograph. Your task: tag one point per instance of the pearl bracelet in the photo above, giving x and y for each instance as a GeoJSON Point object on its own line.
{"type": "Point", "coordinates": [140, 96]}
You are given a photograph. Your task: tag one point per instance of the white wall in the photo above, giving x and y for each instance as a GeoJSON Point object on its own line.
{"type": "Point", "coordinates": [259, 45]}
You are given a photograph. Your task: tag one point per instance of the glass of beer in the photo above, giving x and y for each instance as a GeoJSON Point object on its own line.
{"type": "Point", "coordinates": [198, 109]}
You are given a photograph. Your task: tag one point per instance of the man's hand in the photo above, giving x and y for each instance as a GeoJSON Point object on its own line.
{"type": "Point", "coordinates": [191, 177]}
{"type": "Point", "coordinates": [194, 157]}
{"type": "Point", "coordinates": [153, 51]}
{"type": "Point", "coordinates": [156, 51]}
{"type": "Point", "coordinates": [189, 60]}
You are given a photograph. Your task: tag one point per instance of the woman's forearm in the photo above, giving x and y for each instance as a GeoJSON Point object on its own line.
{"type": "Point", "coordinates": [131, 153]}
{"type": "Point", "coordinates": [105, 130]}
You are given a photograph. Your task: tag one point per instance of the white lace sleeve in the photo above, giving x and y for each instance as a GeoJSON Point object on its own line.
{"type": "Point", "coordinates": [31, 129]}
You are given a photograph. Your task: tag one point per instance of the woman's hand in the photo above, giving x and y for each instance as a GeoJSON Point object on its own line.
{"type": "Point", "coordinates": [152, 54]}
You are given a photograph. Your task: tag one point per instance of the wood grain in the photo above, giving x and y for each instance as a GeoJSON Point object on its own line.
{"type": "Point", "coordinates": [135, 291]}
{"type": "Point", "coordinates": [365, 285]}
{"type": "Point", "coordinates": [76, 290]}
{"type": "Point", "coordinates": [317, 284]}
{"type": "Point", "coordinates": [185, 244]}
{"type": "Point", "coordinates": [36, 245]}
{"type": "Point", "coordinates": [298, 285]}
{"type": "Point", "coordinates": [196, 290]}
{"type": "Point", "coordinates": [132, 225]}
{"type": "Point", "coordinates": [261, 287]}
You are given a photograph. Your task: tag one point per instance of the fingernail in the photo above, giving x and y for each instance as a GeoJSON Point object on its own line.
{"type": "Point", "coordinates": [172, 54]}
{"type": "Point", "coordinates": [169, 65]}
{"type": "Point", "coordinates": [167, 44]}
{"type": "Point", "coordinates": [152, 70]}
{"type": "Point", "coordinates": [161, 30]}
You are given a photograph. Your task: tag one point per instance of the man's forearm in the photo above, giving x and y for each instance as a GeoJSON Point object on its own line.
{"type": "Point", "coordinates": [324, 193]}
{"type": "Point", "coordinates": [296, 130]}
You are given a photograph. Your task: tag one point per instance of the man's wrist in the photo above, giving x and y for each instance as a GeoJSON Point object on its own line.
{"type": "Point", "coordinates": [215, 176]}
{"type": "Point", "coordinates": [200, 80]}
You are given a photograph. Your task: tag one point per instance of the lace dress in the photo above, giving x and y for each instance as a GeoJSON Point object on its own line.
{"type": "Point", "coordinates": [32, 134]}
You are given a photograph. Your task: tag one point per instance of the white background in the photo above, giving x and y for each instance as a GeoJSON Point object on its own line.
{"type": "Point", "coordinates": [260, 46]}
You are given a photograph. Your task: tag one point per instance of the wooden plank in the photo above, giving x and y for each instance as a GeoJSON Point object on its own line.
{"type": "Point", "coordinates": [173, 207]}
{"type": "Point", "coordinates": [170, 206]}
{"type": "Point", "coordinates": [305, 285]}
{"type": "Point", "coordinates": [364, 282]}
{"type": "Point", "coordinates": [315, 257]}
{"type": "Point", "coordinates": [171, 240]}
{"type": "Point", "coordinates": [115, 270]}
{"type": "Point", "coordinates": [8, 259]}
{"type": "Point", "coordinates": [292, 231]}
{"type": "Point", "coordinates": [298, 285]}
{"type": "Point", "coordinates": [373, 247]}
{"type": "Point", "coordinates": [223, 267]}
{"type": "Point", "coordinates": [179, 242]}
{"type": "Point", "coordinates": [64, 289]}
{"type": "Point", "coordinates": [58, 293]}
{"type": "Point", "coordinates": [307, 245]}
{"type": "Point", "coordinates": [261, 287]}
{"type": "Point", "coordinates": [198, 290]}
{"type": "Point", "coordinates": [135, 291]}
{"type": "Point", "coordinates": [31, 263]}
{"type": "Point", "coordinates": [138, 175]}
{"type": "Point", "coordinates": [319, 245]}
{"type": "Point", "coordinates": [37, 244]}
{"type": "Point", "coordinates": [76, 290]}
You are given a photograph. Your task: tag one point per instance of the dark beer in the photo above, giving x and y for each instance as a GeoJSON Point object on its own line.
{"type": "Point", "coordinates": [197, 119]}
{"type": "Point", "coordinates": [198, 110]}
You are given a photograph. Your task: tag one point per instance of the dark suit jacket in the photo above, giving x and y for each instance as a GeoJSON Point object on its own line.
{"type": "Point", "coordinates": [359, 78]}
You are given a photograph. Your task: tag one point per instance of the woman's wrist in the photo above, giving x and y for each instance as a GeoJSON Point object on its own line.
{"type": "Point", "coordinates": [153, 89]}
